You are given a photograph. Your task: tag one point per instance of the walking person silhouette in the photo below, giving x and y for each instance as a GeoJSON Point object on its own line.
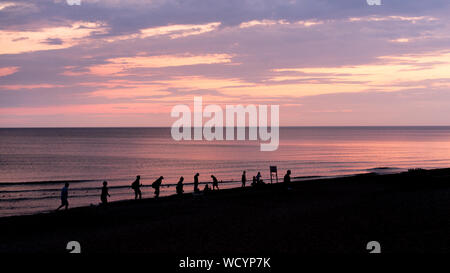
{"type": "Point", "coordinates": [215, 182]}
{"type": "Point", "coordinates": [136, 186]}
{"type": "Point", "coordinates": [64, 196]}
{"type": "Point", "coordinates": [156, 185]}
{"type": "Point", "coordinates": [244, 179]}
{"type": "Point", "coordinates": [196, 190]}
{"type": "Point", "coordinates": [105, 194]}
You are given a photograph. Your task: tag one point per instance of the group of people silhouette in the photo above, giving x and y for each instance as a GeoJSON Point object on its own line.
{"type": "Point", "coordinates": [156, 185]}
{"type": "Point", "coordinates": [136, 186]}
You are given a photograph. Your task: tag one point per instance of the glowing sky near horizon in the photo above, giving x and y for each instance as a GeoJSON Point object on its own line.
{"type": "Point", "coordinates": [127, 63]}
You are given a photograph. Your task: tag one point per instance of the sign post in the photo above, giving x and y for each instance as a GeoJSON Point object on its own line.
{"type": "Point", "coordinates": [273, 172]}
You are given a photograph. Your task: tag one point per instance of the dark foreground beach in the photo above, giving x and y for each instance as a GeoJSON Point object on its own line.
{"type": "Point", "coordinates": [406, 212]}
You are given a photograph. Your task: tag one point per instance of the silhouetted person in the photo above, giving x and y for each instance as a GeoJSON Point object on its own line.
{"type": "Point", "coordinates": [136, 186]}
{"type": "Point", "coordinates": [206, 189]}
{"type": "Point", "coordinates": [215, 182]}
{"type": "Point", "coordinates": [156, 185]}
{"type": "Point", "coordinates": [180, 186]}
{"type": "Point", "coordinates": [64, 196]}
{"type": "Point", "coordinates": [254, 181]}
{"type": "Point", "coordinates": [258, 177]}
{"type": "Point", "coordinates": [105, 194]}
{"type": "Point", "coordinates": [196, 190]}
{"type": "Point", "coordinates": [244, 179]}
{"type": "Point", "coordinates": [287, 179]}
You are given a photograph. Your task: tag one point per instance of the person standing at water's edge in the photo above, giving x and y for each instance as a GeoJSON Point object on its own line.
{"type": "Point", "coordinates": [196, 190]}
{"type": "Point", "coordinates": [136, 186]}
{"type": "Point", "coordinates": [180, 186]}
{"type": "Point", "coordinates": [105, 194]}
{"type": "Point", "coordinates": [244, 179]}
{"type": "Point", "coordinates": [64, 196]}
{"type": "Point", "coordinates": [215, 182]}
{"type": "Point", "coordinates": [156, 185]}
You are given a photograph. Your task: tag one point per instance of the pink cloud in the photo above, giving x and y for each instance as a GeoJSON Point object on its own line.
{"type": "Point", "coordinates": [29, 86]}
{"type": "Point", "coordinates": [114, 108]}
{"type": "Point", "coordinates": [5, 71]}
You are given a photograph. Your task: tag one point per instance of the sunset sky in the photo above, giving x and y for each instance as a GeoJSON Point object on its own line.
{"type": "Point", "coordinates": [127, 63]}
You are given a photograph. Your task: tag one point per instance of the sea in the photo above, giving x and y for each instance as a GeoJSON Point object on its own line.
{"type": "Point", "coordinates": [36, 162]}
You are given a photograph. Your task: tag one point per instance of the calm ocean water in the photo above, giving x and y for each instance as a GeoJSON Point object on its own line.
{"type": "Point", "coordinates": [35, 163]}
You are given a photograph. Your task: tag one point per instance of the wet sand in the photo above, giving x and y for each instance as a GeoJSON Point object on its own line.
{"type": "Point", "coordinates": [406, 212]}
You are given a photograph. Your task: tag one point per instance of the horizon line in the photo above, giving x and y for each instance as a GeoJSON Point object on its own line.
{"type": "Point", "coordinates": [168, 127]}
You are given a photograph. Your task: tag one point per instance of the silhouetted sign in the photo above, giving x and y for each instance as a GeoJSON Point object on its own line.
{"type": "Point", "coordinates": [273, 172]}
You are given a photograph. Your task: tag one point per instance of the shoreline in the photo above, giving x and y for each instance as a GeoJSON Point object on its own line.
{"type": "Point", "coordinates": [408, 212]}
{"type": "Point", "coordinates": [169, 185]}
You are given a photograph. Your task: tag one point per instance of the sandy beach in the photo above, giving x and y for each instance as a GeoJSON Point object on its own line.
{"type": "Point", "coordinates": [405, 212]}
